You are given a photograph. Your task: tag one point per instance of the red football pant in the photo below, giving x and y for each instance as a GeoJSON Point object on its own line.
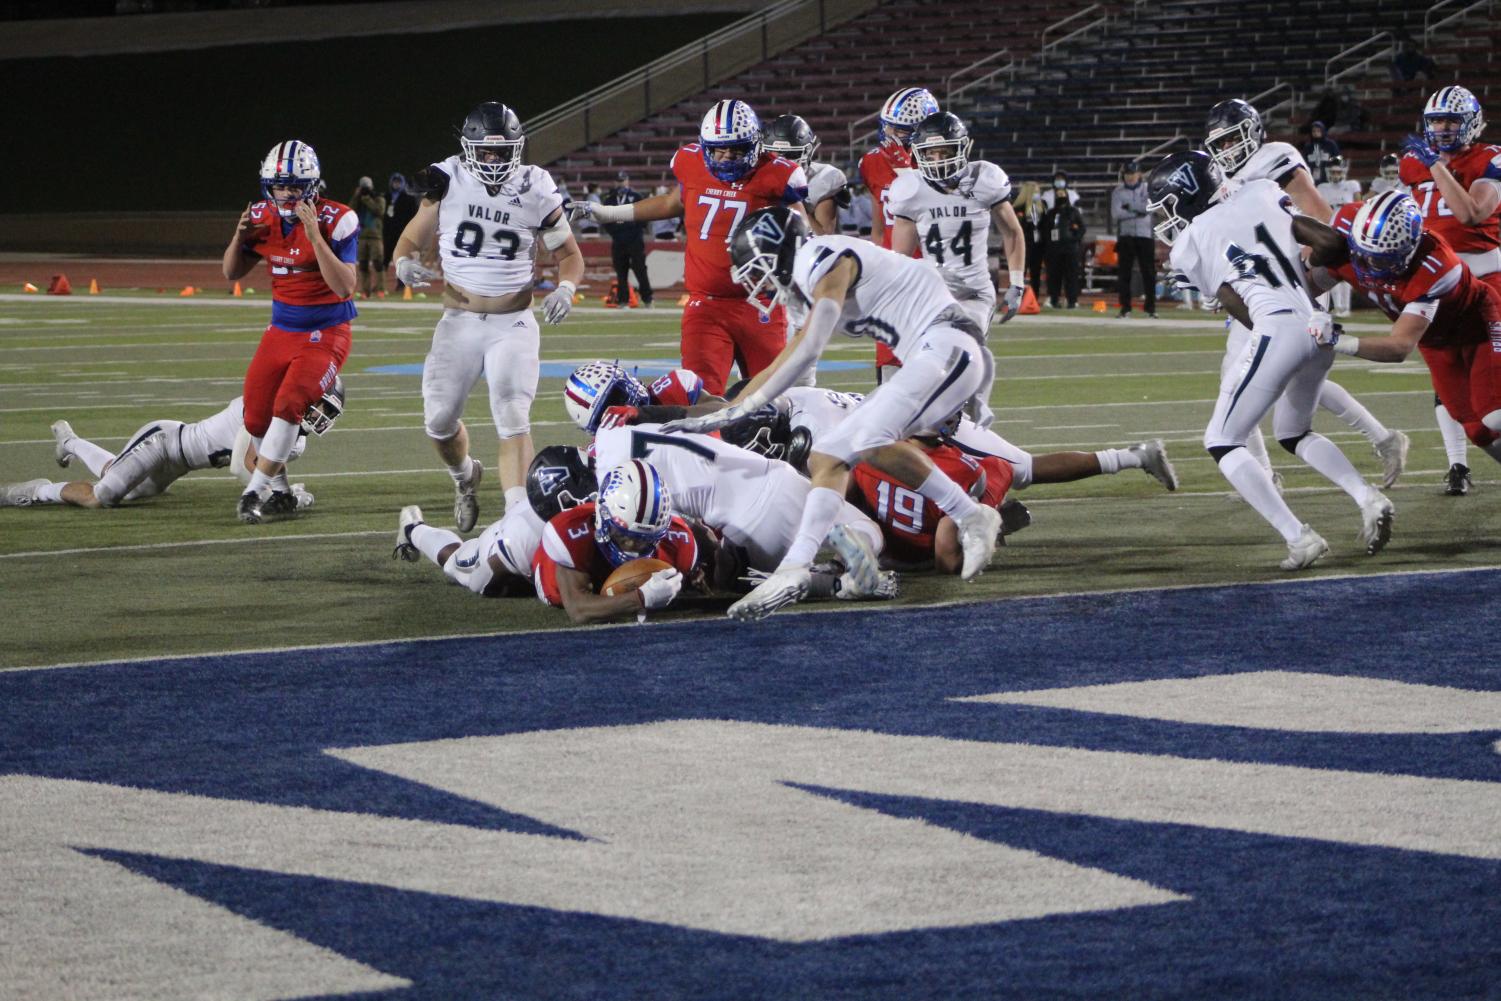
{"type": "Point", "coordinates": [290, 370]}
{"type": "Point", "coordinates": [719, 332]}
{"type": "Point", "coordinates": [1467, 378]}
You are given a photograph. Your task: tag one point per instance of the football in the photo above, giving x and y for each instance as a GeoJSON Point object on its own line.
{"type": "Point", "coordinates": [629, 576]}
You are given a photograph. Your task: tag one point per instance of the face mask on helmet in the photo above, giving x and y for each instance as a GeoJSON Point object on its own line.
{"type": "Point", "coordinates": [492, 160]}
{"type": "Point", "coordinates": [1390, 169]}
{"type": "Point", "coordinates": [1233, 135]}
{"type": "Point", "coordinates": [290, 174]}
{"type": "Point", "coordinates": [632, 513]}
{"type": "Point", "coordinates": [560, 477]}
{"type": "Point", "coordinates": [764, 432]}
{"type": "Point", "coordinates": [1337, 171]}
{"type": "Point", "coordinates": [1385, 235]}
{"type": "Point", "coordinates": [1181, 188]}
{"type": "Point", "coordinates": [789, 136]}
{"type": "Point", "coordinates": [762, 250]}
{"type": "Point", "coordinates": [322, 412]}
{"type": "Point", "coordinates": [730, 138]}
{"type": "Point", "coordinates": [593, 388]}
{"type": "Point", "coordinates": [940, 148]}
{"type": "Point", "coordinates": [1452, 119]}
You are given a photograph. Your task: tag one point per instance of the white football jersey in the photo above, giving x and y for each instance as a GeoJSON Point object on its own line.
{"type": "Point", "coordinates": [207, 443]}
{"type": "Point", "coordinates": [1338, 193]}
{"type": "Point", "coordinates": [514, 538]}
{"type": "Point", "coordinates": [1272, 162]}
{"type": "Point", "coordinates": [824, 182]}
{"type": "Point", "coordinates": [953, 223]}
{"type": "Point", "coordinates": [1250, 233]}
{"type": "Point", "coordinates": [894, 298]}
{"type": "Point", "coordinates": [487, 242]}
{"type": "Point", "coordinates": [818, 410]}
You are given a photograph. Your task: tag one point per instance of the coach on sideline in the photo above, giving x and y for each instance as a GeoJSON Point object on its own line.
{"type": "Point", "coordinates": [1134, 244]}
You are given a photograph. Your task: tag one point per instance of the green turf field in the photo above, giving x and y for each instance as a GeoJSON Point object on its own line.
{"type": "Point", "coordinates": [178, 575]}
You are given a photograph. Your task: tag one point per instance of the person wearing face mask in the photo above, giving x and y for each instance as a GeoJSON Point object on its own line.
{"type": "Point", "coordinates": [1060, 186]}
{"type": "Point", "coordinates": [1063, 242]}
{"type": "Point", "coordinates": [1135, 247]}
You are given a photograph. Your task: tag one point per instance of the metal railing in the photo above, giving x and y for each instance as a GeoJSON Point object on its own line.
{"type": "Point", "coordinates": [686, 71]}
{"type": "Point", "coordinates": [1056, 25]}
{"type": "Point", "coordinates": [1290, 101]}
{"type": "Point", "coordinates": [1430, 25]}
{"type": "Point", "coordinates": [1389, 49]}
{"type": "Point", "coordinates": [949, 92]}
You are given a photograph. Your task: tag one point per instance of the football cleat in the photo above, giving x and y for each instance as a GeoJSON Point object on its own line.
{"type": "Point", "coordinates": [466, 497]}
{"type": "Point", "coordinates": [303, 495]}
{"type": "Point", "coordinates": [887, 587]}
{"type": "Point", "coordinates": [1305, 550]}
{"type": "Point", "coordinates": [1392, 451]}
{"type": "Point", "coordinates": [279, 503]}
{"type": "Point", "coordinates": [248, 510]}
{"type": "Point", "coordinates": [1376, 517]}
{"type": "Point", "coordinates": [62, 433]}
{"type": "Point", "coordinates": [977, 537]}
{"type": "Point", "coordinates": [1154, 462]}
{"type": "Point", "coordinates": [409, 516]}
{"type": "Point", "coordinates": [785, 587]}
{"type": "Point", "coordinates": [1014, 516]}
{"type": "Point", "coordinates": [1457, 480]}
{"type": "Point", "coordinates": [855, 551]}
{"type": "Point", "coordinates": [21, 494]}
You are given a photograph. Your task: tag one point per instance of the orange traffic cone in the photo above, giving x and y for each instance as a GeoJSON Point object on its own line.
{"type": "Point", "coordinates": [59, 286]}
{"type": "Point", "coordinates": [28, 287]}
{"type": "Point", "coordinates": [1099, 306]}
{"type": "Point", "coordinates": [188, 290]}
{"type": "Point", "coordinates": [1029, 303]}
{"type": "Point", "coordinates": [406, 293]}
{"type": "Point", "coordinates": [93, 286]}
{"type": "Point", "coordinates": [237, 292]}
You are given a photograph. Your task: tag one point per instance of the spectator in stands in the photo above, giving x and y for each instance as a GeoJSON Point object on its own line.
{"type": "Point", "coordinates": [1408, 63]}
{"type": "Point", "coordinates": [1063, 249]}
{"type": "Point", "coordinates": [1060, 185]}
{"type": "Point", "coordinates": [664, 229]}
{"type": "Point", "coordinates": [401, 205]}
{"type": "Point", "coordinates": [371, 209]}
{"type": "Point", "coordinates": [1319, 151]}
{"type": "Point", "coordinates": [1135, 246]}
{"type": "Point", "coordinates": [1030, 208]}
{"type": "Point", "coordinates": [627, 245]}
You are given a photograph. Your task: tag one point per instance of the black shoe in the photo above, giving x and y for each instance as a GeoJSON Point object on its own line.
{"type": "Point", "coordinates": [249, 508]}
{"type": "Point", "coordinates": [279, 503]}
{"type": "Point", "coordinates": [1151, 315]}
{"type": "Point", "coordinates": [1457, 481]}
{"type": "Point", "coordinates": [1124, 314]}
{"type": "Point", "coordinates": [1073, 305]}
{"type": "Point", "coordinates": [1014, 516]}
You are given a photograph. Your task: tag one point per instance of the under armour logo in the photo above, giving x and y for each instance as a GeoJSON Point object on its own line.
{"type": "Point", "coordinates": [1185, 179]}
{"type": "Point", "coordinates": [769, 229]}
{"type": "Point", "coordinates": [550, 478]}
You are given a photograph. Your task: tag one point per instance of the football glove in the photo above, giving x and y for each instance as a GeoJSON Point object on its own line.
{"type": "Point", "coordinates": [615, 417]}
{"type": "Point", "coordinates": [558, 302]}
{"type": "Point", "coordinates": [705, 423]}
{"type": "Point", "coordinates": [1324, 331]}
{"type": "Point", "coordinates": [1417, 147]}
{"type": "Point", "coordinates": [1011, 302]}
{"type": "Point", "coordinates": [660, 588]}
{"type": "Point", "coordinates": [410, 272]}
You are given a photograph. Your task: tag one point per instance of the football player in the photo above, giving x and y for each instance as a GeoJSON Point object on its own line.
{"type": "Point", "coordinates": [487, 211]}
{"type": "Point", "coordinates": [1456, 181]}
{"type": "Point", "coordinates": [601, 394]}
{"type": "Point", "coordinates": [828, 189]}
{"type": "Point", "coordinates": [880, 167]}
{"type": "Point", "coordinates": [720, 178]}
{"type": "Point", "coordinates": [631, 518]}
{"type": "Point", "coordinates": [1387, 179]}
{"type": "Point", "coordinates": [497, 563]}
{"type": "Point", "coordinates": [853, 285]}
{"type": "Point", "coordinates": [944, 209]}
{"type": "Point", "coordinates": [1235, 137]}
{"type": "Point", "coordinates": [1242, 247]}
{"type": "Point", "coordinates": [310, 245]}
{"type": "Point", "coordinates": [1338, 190]}
{"type": "Point", "coordinates": [1437, 304]}
{"type": "Point", "coordinates": [161, 452]}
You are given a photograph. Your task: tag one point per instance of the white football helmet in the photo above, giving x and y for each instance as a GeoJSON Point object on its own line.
{"type": "Point", "coordinates": [592, 389]}
{"type": "Point", "coordinates": [632, 513]}
{"type": "Point", "coordinates": [291, 164]}
{"type": "Point", "coordinates": [322, 412]}
{"type": "Point", "coordinates": [901, 114]}
{"type": "Point", "coordinates": [1452, 104]}
{"type": "Point", "coordinates": [731, 125]}
{"type": "Point", "coordinates": [1385, 234]}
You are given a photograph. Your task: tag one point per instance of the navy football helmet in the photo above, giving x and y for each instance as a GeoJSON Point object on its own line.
{"type": "Point", "coordinates": [793, 138]}
{"type": "Point", "coordinates": [1233, 134]}
{"type": "Point", "coordinates": [560, 477]}
{"type": "Point", "coordinates": [762, 249]}
{"type": "Point", "coordinates": [1181, 187]}
{"type": "Point", "coordinates": [492, 139]}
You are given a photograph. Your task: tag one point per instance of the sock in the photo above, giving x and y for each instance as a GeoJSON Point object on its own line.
{"type": "Point", "coordinates": [1113, 460]}
{"type": "Point", "coordinates": [51, 493]}
{"type": "Point", "coordinates": [258, 484]}
{"type": "Point", "coordinates": [93, 456]}
{"type": "Point", "coordinates": [1337, 400]}
{"type": "Point", "coordinates": [1325, 456]}
{"type": "Point", "coordinates": [1455, 442]}
{"type": "Point", "coordinates": [944, 492]}
{"type": "Point", "coordinates": [1254, 484]}
{"type": "Point", "coordinates": [279, 483]}
{"type": "Point", "coordinates": [276, 444]}
{"type": "Point", "coordinates": [460, 473]}
{"type": "Point", "coordinates": [820, 510]}
{"type": "Point", "coordinates": [431, 541]}
{"type": "Point", "coordinates": [821, 585]}
{"type": "Point", "coordinates": [1256, 445]}
{"type": "Point", "coordinates": [515, 495]}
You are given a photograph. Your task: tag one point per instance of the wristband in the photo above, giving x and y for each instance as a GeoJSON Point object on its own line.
{"type": "Point", "coordinates": [1018, 278]}
{"type": "Point", "coordinates": [566, 284]}
{"type": "Point", "coordinates": [1347, 346]}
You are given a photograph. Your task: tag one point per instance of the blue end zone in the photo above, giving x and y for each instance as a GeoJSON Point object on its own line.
{"type": "Point", "coordinates": [1270, 917]}
{"type": "Point", "coordinates": [648, 368]}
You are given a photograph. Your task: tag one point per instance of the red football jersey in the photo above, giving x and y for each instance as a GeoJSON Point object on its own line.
{"type": "Point", "coordinates": [1459, 306]}
{"type": "Point", "coordinates": [878, 169]}
{"type": "Point", "coordinates": [1476, 161]}
{"type": "Point", "coordinates": [907, 519]}
{"type": "Point", "coordinates": [712, 208]}
{"type": "Point", "coordinates": [568, 540]}
{"type": "Point", "coordinates": [295, 278]}
{"type": "Point", "coordinates": [678, 388]}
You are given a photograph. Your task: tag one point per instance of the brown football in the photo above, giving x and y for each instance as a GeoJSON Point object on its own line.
{"type": "Point", "coordinates": [631, 575]}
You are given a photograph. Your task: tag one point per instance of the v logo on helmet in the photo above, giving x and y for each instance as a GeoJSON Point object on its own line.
{"type": "Point", "coordinates": [769, 229]}
{"type": "Point", "coordinates": [549, 478]}
{"type": "Point", "coordinates": [1185, 179]}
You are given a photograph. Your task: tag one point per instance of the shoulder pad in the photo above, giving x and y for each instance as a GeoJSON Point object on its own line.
{"type": "Point", "coordinates": [431, 182]}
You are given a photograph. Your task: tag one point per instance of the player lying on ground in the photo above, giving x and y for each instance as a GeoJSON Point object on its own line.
{"type": "Point", "coordinates": [1439, 307]}
{"type": "Point", "coordinates": [602, 394]}
{"type": "Point", "coordinates": [162, 452]}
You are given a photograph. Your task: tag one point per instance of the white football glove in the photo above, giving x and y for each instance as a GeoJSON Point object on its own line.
{"type": "Point", "coordinates": [704, 423]}
{"type": "Point", "coordinates": [304, 499]}
{"type": "Point", "coordinates": [1011, 302]}
{"type": "Point", "coordinates": [558, 302]}
{"type": "Point", "coordinates": [580, 210]}
{"type": "Point", "coordinates": [660, 588]}
{"type": "Point", "coordinates": [410, 272]}
{"type": "Point", "coordinates": [1323, 329]}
